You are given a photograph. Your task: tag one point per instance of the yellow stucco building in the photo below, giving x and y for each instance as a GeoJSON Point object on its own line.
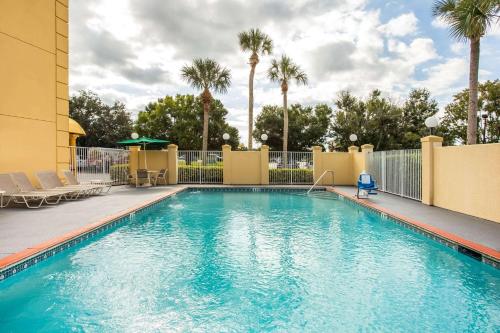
{"type": "Point", "coordinates": [34, 106]}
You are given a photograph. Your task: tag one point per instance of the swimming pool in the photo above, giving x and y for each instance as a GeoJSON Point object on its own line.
{"type": "Point", "coordinates": [254, 262]}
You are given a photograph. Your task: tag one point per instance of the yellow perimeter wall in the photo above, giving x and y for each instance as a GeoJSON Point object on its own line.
{"type": "Point", "coordinates": [34, 85]}
{"type": "Point", "coordinates": [467, 180]}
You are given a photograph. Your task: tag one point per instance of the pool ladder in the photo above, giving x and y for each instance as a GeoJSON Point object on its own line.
{"type": "Point", "coordinates": [323, 194]}
{"type": "Point", "coordinates": [321, 177]}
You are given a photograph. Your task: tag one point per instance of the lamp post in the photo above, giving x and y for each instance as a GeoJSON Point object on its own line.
{"type": "Point", "coordinates": [226, 137]}
{"type": "Point", "coordinates": [431, 122]}
{"type": "Point", "coordinates": [485, 118]}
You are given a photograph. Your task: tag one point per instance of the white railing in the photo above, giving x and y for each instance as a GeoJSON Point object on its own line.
{"type": "Point", "coordinates": [290, 167]}
{"type": "Point", "coordinates": [200, 167]}
{"type": "Point", "coordinates": [398, 172]}
{"type": "Point", "coordinates": [97, 163]}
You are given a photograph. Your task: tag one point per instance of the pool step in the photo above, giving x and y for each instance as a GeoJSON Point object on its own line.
{"type": "Point", "coordinates": [322, 195]}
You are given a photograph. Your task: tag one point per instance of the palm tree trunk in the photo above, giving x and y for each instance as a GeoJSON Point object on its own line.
{"type": "Point", "coordinates": [473, 86]}
{"type": "Point", "coordinates": [250, 105]}
{"type": "Point", "coordinates": [206, 107]}
{"type": "Point", "coordinates": [285, 128]}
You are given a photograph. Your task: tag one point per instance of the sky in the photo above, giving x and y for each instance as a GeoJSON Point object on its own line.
{"type": "Point", "coordinates": [133, 50]}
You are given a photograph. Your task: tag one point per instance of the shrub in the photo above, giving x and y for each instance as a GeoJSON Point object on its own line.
{"type": "Point", "coordinates": [209, 173]}
{"type": "Point", "coordinates": [119, 173]}
{"type": "Point", "coordinates": [287, 176]}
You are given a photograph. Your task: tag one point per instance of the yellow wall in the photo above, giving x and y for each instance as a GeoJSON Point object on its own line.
{"type": "Point", "coordinates": [156, 160]}
{"type": "Point", "coordinates": [34, 85]}
{"type": "Point", "coordinates": [244, 168]}
{"type": "Point", "coordinates": [467, 179]}
{"type": "Point", "coordinates": [341, 164]}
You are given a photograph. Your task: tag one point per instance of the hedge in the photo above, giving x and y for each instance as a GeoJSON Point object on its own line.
{"type": "Point", "coordinates": [119, 173]}
{"type": "Point", "coordinates": [209, 173]}
{"type": "Point", "coordinates": [287, 176]}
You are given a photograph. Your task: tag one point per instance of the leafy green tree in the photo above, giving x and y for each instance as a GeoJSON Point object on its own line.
{"type": "Point", "coordinates": [469, 20]}
{"type": "Point", "coordinates": [206, 74]}
{"type": "Point", "coordinates": [283, 71]}
{"type": "Point", "coordinates": [104, 124]}
{"type": "Point", "coordinates": [308, 126]}
{"type": "Point", "coordinates": [454, 123]}
{"type": "Point", "coordinates": [179, 120]}
{"type": "Point", "coordinates": [256, 42]}
{"type": "Point", "coordinates": [415, 110]}
{"type": "Point", "coordinates": [375, 121]}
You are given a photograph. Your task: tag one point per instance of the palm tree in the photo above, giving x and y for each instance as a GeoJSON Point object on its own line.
{"type": "Point", "coordinates": [469, 20]}
{"type": "Point", "coordinates": [257, 42]}
{"type": "Point", "coordinates": [283, 71]}
{"type": "Point", "coordinates": [206, 74]}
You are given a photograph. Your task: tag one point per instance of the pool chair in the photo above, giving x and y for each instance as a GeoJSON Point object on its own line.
{"type": "Point", "coordinates": [71, 180]}
{"type": "Point", "coordinates": [162, 175]}
{"type": "Point", "coordinates": [24, 185]}
{"type": "Point", "coordinates": [366, 186]}
{"type": "Point", "coordinates": [50, 180]}
{"type": "Point", "coordinates": [32, 199]}
{"type": "Point", "coordinates": [142, 177]}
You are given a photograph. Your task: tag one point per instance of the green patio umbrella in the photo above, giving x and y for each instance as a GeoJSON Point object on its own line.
{"type": "Point", "coordinates": [142, 141]}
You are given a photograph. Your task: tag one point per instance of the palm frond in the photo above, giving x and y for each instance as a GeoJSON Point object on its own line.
{"type": "Point", "coordinates": [468, 19]}
{"type": "Point", "coordinates": [284, 70]}
{"type": "Point", "coordinates": [255, 41]}
{"type": "Point", "coordinates": [207, 74]}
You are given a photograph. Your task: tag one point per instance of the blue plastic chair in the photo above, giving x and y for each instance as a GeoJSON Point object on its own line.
{"type": "Point", "coordinates": [367, 183]}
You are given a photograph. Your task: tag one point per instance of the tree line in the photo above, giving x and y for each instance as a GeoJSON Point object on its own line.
{"type": "Point", "coordinates": [374, 119]}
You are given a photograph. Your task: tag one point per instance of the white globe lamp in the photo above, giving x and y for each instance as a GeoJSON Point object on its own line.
{"type": "Point", "coordinates": [264, 137]}
{"type": "Point", "coordinates": [353, 138]}
{"type": "Point", "coordinates": [431, 122]}
{"type": "Point", "coordinates": [134, 136]}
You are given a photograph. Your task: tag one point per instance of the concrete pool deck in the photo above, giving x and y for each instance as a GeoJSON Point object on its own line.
{"type": "Point", "coordinates": [24, 229]}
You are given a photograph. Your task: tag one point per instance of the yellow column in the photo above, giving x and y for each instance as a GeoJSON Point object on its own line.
{"type": "Point", "coordinates": [62, 90]}
{"type": "Point", "coordinates": [367, 148]}
{"type": "Point", "coordinates": [317, 163]}
{"type": "Point", "coordinates": [133, 162]}
{"type": "Point", "coordinates": [428, 145]}
{"type": "Point", "coordinates": [353, 149]}
{"type": "Point", "coordinates": [173, 169]}
{"type": "Point", "coordinates": [226, 156]}
{"type": "Point", "coordinates": [264, 165]}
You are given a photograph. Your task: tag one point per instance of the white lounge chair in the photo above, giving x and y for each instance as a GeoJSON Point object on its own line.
{"type": "Point", "coordinates": [49, 180]}
{"type": "Point", "coordinates": [71, 180]}
{"type": "Point", "coordinates": [24, 185]}
{"type": "Point", "coordinates": [33, 199]}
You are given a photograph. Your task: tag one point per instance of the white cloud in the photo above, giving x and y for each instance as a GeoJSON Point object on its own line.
{"type": "Point", "coordinates": [418, 51]}
{"type": "Point", "coordinates": [439, 22]}
{"type": "Point", "coordinates": [457, 48]}
{"type": "Point", "coordinates": [402, 25]}
{"type": "Point", "coordinates": [446, 78]}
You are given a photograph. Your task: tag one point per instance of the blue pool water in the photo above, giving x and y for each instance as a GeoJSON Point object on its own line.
{"type": "Point", "coordinates": [254, 262]}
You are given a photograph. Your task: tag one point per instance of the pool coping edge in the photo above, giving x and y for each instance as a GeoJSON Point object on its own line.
{"type": "Point", "coordinates": [25, 255]}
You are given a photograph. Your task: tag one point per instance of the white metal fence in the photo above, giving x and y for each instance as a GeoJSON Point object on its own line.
{"type": "Point", "coordinates": [200, 167]}
{"type": "Point", "coordinates": [290, 167]}
{"type": "Point", "coordinates": [398, 172]}
{"type": "Point", "coordinates": [92, 163]}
